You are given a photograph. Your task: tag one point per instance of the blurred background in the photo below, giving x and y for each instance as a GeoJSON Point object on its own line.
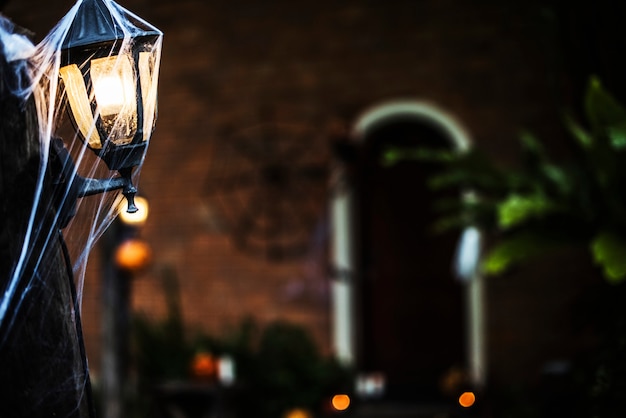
{"type": "Point", "coordinates": [281, 263]}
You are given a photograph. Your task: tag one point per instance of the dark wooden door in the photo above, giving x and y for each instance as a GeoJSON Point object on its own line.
{"type": "Point", "coordinates": [411, 307]}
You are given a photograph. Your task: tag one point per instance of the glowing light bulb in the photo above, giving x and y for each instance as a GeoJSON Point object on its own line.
{"type": "Point", "coordinates": [114, 89]}
{"type": "Point", "coordinates": [113, 84]}
{"type": "Point", "coordinates": [110, 94]}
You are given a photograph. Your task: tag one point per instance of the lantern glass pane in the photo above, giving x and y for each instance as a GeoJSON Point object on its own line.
{"type": "Point", "coordinates": [79, 104]}
{"type": "Point", "coordinates": [113, 81]}
{"type": "Point", "coordinates": [148, 91]}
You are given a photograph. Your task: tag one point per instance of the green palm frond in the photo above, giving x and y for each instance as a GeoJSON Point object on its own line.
{"type": "Point", "coordinates": [543, 198]}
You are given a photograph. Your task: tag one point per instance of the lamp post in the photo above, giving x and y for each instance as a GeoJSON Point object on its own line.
{"type": "Point", "coordinates": [119, 267]}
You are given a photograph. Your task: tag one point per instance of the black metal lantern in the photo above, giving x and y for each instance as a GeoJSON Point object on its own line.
{"type": "Point", "coordinates": [109, 70]}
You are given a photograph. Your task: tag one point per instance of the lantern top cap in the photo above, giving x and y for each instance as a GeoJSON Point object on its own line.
{"type": "Point", "coordinates": [98, 21]}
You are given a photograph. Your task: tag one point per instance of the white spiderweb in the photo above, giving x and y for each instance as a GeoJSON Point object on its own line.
{"type": "Point", "coordinates": [41, 357]}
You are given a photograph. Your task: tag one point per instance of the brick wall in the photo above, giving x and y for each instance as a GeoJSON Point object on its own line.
{"type": "Point", "coordinates": [230, 65]}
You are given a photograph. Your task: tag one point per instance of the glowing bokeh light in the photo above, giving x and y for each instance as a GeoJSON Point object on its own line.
{"type": "Point", "coordinates": [137, 218]}
{"type": "Point", "coordinates": [467, 399]}
{"type": "Point", "coordinates": [133, 255]}
{"type": "Point", "coordinates": [203, 365]}
{"type": "Point", "coordinates": [341, 402]}
{"type": "Point", "coordinates": [298, 413]}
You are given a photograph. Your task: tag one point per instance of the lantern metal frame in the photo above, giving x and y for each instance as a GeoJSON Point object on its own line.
{"type": "Point", "coordinates": [95, 33]}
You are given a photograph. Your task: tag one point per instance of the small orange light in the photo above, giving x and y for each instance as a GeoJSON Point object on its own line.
{"type": "Point", "coordinates": [341, 402]}
{"type": "Point", "coordinates": [203, 365]}
{"type": "Point", "coordinates": [297, 413]}
{"type": "Point", "coordinates": [467, 399]}
{"type": "Point", "coordinates": [133, 255]}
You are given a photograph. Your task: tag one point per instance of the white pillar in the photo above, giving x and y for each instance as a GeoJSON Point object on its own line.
{"type": "Point", "coordinates": [342, 289]}
{"type": "Point", "coordinates": [476, 347]}
{"type": "Point", "coordinates": [467, 269]}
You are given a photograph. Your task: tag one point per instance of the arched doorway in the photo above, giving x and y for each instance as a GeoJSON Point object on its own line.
{"type": "Point", "coordinates": [410, 306]}
{"type": "Point", "coordinates": [397, 308]}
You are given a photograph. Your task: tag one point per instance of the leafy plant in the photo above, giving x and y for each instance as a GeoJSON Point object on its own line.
{"type": "Point", "coordinates": [285, 371]}
{"type": "Point", "coordinates": [277, 367]}
{"type": "Point", "coordinates": [545, 204]}
{"type": "Point", "coordinates": [161, 350]}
